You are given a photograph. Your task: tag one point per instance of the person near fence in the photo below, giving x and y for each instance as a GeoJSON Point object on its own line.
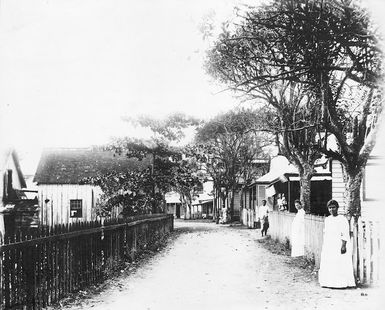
{"type": "Point", "coordinates": [336, 266]}
{"type": "Point", "coordinates": [298, 231]}
{"type": "Point", "coordinates": [264, 216]}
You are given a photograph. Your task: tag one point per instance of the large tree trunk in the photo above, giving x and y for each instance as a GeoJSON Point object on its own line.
{"type": "Point", "coordinates": [215, 207]}
{"type": "Point", "coordinates": [224, 207]}
{"type": "Point", "coordinates": [241, 205]}
{"type": "Point", "coordinates": [232, 201]}
{"type": "Point", "coordinates": [353, 193]}
{"type": "Point", "coordinates": [305, 190]}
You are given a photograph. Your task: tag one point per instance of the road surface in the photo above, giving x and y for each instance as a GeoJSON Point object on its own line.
{"type": "Point", "coordinates": [209, 266]}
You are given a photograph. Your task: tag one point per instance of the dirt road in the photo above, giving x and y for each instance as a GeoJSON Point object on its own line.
{"type": "Point", "coordinates": [209, 266]}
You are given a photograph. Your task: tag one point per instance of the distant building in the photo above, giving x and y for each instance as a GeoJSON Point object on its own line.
{"type": "Point", "coordinates": [174, 205]}
{"type": "Point", "coordinates": [280, 187]}
{"type": "Point", "coordinates": [201, 206]}
{"type": "Point", "coordinates": [327, 183]}
{"type": "Point", "coordinates": [17, 210]}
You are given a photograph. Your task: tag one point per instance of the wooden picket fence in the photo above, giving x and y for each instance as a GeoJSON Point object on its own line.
{"type": "Point", "coordinates": [365, 238]}
{"type": "Point", "coordinates": [366, 251]}
{"type": "Point", "coordinates": [42, 267]}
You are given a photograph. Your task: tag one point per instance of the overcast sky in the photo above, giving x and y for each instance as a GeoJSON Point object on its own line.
{"type": "Point", "coordinates": [71, 69]}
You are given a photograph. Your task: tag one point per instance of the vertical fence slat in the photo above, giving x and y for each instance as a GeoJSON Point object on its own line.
{"type": "Point", "coordinates": [375, 253]}
{"type": "Point", "coordinates": [1, 275]}
{"type": "Point", "coordinates": [355, 247]}
{"type": "Point", "coordinates": [360, 249]}
{"type": "Point", "coordinates": [368, 256]}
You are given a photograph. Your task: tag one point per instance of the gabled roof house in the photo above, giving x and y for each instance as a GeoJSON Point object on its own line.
{"type": "Point", "coordinates": [65, 195]}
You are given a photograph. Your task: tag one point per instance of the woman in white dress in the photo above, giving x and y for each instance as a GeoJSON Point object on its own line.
{"type": "Point", "coordinates": [336, 268]}
{"type": "Point", "coordinates": [298, 231]}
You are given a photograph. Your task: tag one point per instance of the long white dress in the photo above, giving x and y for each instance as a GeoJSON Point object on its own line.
{"type": "Point", "coordinates": [336, 269]}
{"type": "Point", "coordinates": [298, 234]}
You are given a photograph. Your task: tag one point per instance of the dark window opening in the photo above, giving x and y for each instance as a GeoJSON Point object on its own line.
{"type": "Point", "coordinates": [76, 208]}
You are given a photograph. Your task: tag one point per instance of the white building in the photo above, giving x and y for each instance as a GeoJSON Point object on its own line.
{"type": "Point", "coordinates": [65, 193]}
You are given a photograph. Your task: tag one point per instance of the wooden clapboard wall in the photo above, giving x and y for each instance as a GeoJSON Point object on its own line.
{"type": "Point", "coordinates": [54, 202]}
{"type": "Point", "coordinates": [338, 184]}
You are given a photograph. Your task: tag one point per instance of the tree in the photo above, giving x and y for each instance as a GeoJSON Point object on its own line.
{"type": "Point", "coordinates": [130, 189]}
{"type": "Point", "coordinates": [285, 104]}
{"type": "Point", "coordinates": [143, 191]}
{"type": "Point", "coordinates": [288, 115]}
{"type": "Point", "coordinates": [330, 49]}
{"type": "Point", "coordinates": [227, 148]}
{"type": "Point", "coordinates": [188, 181]}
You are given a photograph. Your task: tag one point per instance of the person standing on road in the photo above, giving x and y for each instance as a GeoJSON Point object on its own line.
{"type": "Point", "coordinates": [264, 216]}
{"type": "Point", "coordinates": [336, 266]}
{"type": "Point", "coordinates": [298, 231]}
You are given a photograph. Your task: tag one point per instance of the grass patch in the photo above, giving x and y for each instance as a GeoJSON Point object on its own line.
{"type": "Point", "coordinates": [305, 263]}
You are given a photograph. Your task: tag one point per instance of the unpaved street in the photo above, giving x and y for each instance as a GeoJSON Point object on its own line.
{"type": "Point", "coordinates": [208, 266]}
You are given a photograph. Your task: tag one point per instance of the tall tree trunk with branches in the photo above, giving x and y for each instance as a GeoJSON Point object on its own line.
{"type": "Point", "coordinates": [333, 49]}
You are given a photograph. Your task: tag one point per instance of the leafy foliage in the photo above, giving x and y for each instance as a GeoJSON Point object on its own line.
{"type": "Point", "coordinates": [167, 129]}
{"type": "Point", "coordinates": [227, 148]}
{"type": "Point", "coordinates": [330, 50]}
{"type": "Point", "coordinates": [142, 191]}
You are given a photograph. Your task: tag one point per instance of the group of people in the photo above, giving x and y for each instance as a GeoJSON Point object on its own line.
{"type": "Point", "coordinates": [336, 266]}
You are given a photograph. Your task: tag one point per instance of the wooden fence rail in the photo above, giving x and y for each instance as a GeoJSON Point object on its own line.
{"type": "Point", "coordinates": [365, 241]}
{"type": "Point", "coordinates": [42, 267]}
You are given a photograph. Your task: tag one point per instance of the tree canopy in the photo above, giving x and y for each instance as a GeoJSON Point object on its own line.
{"type": "Point", "coordinates": [228, 148]}
{"type": "Point", "coordinates": [168, 169]}
{"type": "Point", "coordinates": [329, 48]}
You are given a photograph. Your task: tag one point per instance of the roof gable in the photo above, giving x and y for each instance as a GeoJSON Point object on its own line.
{"type": "Point", "coordinates": [4, 157]}
{"type": "Point", "coordinates": [72, 166]}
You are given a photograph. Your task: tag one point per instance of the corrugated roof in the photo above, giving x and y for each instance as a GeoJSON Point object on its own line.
{"type": "Point", "coordinates": [72, 166]}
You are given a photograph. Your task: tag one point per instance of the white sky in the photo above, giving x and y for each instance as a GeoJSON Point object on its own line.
{"type": "Point", "coordinates": [70, 69]}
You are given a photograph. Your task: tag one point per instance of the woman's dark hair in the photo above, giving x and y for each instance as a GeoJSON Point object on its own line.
{"type": "Point", "coordinates": [332, 202]}
{"type": "Point", "coordinates": [298, 201]}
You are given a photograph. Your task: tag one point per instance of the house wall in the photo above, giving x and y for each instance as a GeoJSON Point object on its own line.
{"type": "Point", "coordinates": [57, 209]}
{"type": "Point", "coordinates": [172, 209]}
{"type": "Point", "coordinates": [373, 184]}
{"type": "Point", "coordinates": [237, 203]}
{"type": "Point", "coordinates": [338, 184]}
{"type": "Point", "coordinates": [254, 196]}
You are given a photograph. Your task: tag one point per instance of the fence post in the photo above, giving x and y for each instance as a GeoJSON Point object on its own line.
{"type": "Point", "coordinates": [354, 226]}
{"type": "Point", "coordinates": [360, 246]}
{"type": "Point", "coordinates": [376, 254]}
{"type": "Point", "coordinates": [1, 272]}
{"type": "Point", "coordinates": [368, 269]}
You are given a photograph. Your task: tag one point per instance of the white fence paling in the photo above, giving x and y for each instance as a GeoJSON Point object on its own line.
{"type": "Point", "coordinates": [365, 242]}
{"type": "Point", "coordinates": [366, 256]}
